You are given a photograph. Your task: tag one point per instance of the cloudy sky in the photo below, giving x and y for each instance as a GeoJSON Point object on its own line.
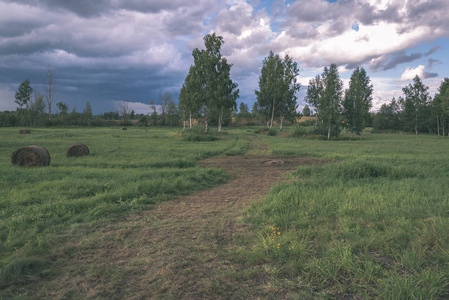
{"type": "Point", "coordinates": [106, 51]}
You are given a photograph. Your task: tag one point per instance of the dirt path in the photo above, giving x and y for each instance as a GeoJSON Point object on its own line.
{"type": "Point", "coordinates": [190, 247]}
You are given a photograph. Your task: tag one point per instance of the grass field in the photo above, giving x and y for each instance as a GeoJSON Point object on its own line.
{"type": "Point", "coordinates": [373, 222]}
{"type": "Point", "coordinates": [126, 171]}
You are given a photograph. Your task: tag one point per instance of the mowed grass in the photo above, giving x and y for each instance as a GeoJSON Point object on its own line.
{"type": "Point", "coordinates": [125, 172]}
{"type": "Point", "coordinates": [373, 224]}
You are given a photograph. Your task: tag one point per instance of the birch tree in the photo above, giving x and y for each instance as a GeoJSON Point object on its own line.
{"type": "Point", "coordinates": [440, 105]}
{"type": "Point", "coordinates": [23, 98]}
{"type": "Point", "coordinates": [325, 94]}
{"type": "Point", "coordinates": [214, 87]}
{"type": "Point", "coordinates": [276, 96]}
{"type": "Point", "coordinates": [124, 110]}
{"type": "Point", "coordinates": [415, 104]}
{"type": "Point", "coordinates": [357, 101]}
{"type": "Point", "coordinates": [190, 99]}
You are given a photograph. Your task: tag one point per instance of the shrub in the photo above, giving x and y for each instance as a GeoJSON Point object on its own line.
{"type": "Point", "coordinates": [198, 134]}
{"type": "Point", "coordinates": [299, 131]}
{"type": "Point", "coordinates": [272, 132]}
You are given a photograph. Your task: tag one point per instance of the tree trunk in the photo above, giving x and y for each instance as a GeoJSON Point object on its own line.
{"type": "Point", "coordinates": [416, 124]}
{"type": "Point", "coordinates": [207, 125]}
{"type": "Point", "coordinates": [220, 117]}
{"type": "Point", "coordinates": [329, 132]}
{"type": "Point", "coordinates": [438, 126]}
{"type": "Point", "coordinates": [272, 115]}
{"type": "Point", "coordinates": [190, 120]}
{"type": "Point", "coordinates": [282, 123]}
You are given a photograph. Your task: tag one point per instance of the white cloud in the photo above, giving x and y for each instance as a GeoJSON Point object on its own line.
{"type": "Point", "coordinates": [320, 33]}
{"type": "Point", "coordinates": [411, 73]}
{"type": "Point", "coordinates": [138, 107]}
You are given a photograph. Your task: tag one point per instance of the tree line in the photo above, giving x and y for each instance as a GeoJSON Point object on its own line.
{"type": "Point", "coordinates": [208, 95]}
{"type": "Point", "coordinates": [416, 111]}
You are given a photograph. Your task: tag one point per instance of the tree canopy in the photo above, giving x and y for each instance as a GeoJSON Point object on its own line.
{"type": "Point", "coordinates": [415, 104]}
{"type": "Point", "coordinates": [357, 101]}
{"type": "Point", "coordinates": [209, 86]}
{"type": "Point", "coordinates": [325, 94]}
{"type": "Point", "coordinates": [276, 97]}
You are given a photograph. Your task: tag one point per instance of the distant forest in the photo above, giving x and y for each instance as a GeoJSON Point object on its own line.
{"type": "Point", "coordinates": [415, 112]}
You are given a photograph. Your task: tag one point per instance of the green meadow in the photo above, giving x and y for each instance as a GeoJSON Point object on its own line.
{"type": "Point", "coordinates": [371, 223]}
{"type": "Point", "coordinates": [125, 172]}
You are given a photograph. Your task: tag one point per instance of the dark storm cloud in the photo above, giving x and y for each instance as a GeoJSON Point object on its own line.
{"type": "Point", "coordinates": [89, 8]}
{"type": "Point", "coordinates": [390, 61]}
{"type": "Point", "coordinates": [13, 28]}
{"type": "Point", "coordinates": [101, 51]}
{"type": "Point", "coordinates": [428, 75]}
{"type": "Point", "coordinates": [83, 8]}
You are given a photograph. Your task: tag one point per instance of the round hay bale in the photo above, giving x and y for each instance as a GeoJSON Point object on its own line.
{"type": "Point", "coordinates": [24, 131]}
{"type": "Point", "coordinates": [124, 128]}
{"type": "Point", "coordinates": [31, 156]}
{"type": "Point", "coordinates": [78, 149]}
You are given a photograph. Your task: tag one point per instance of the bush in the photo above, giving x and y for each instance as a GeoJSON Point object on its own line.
{"type": "Point", "coordinates": [299, 131]}
{"type": "Point", "coordinates": [323, 130]}
{"type": "Point", "coordinates": [307, 123]}
{"type": "Point", "coordinates": [198, 134]}
{"type": "Point", "coordinates": [272, 132]}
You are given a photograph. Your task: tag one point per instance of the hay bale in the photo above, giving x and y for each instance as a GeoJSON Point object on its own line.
{"type": "Point", "coordinates": [124, 128]}
{"type": "Point", "coordinates": [78, 149]}
{"type": "Point", "coordinates": [24, 131]}
{"type": "Point", "coordinates": [31, 156]}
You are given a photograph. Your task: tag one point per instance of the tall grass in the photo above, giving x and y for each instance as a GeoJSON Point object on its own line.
{"type": "Point", "coordinates": [372, 224]}
{"type": "Point", "coordinates": [126, 171]}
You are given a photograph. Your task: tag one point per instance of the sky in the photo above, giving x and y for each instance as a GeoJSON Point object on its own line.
{"type": "Point", "coordinates": [107, 51]}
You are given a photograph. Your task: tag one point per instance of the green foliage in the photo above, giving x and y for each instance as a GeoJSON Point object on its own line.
{"type": "Point", "coordinates": [388, 117]}
{"type": "Point", "coordinates": [36, 111]}
{"type": "Point", "coordinates": [87, 114]}
{"type": "Point", "coordinates": [277, 87]}
{"type": "Point", "coordinates": [208, 86]}
{"type": "Point", "coordinates": [272, 132]}
{"type": "Point", "coordinates": [320, 131]}
{"type": "Point", "coordinates": [23, 94]}
{"type": "Point", "coordinates": [440, 107]}
{"type": "Point", "coordinates": [415, 105]}
{"type": "Point", "coordinates": [306, 111]}
{"type": "Point", "coordinates": [325, 94]}
{"type": "Point", "coordinates": [357, 101]}
{"type": "Point", "coordinates": [195, 136]}
{"type": "Point", "coordinates": [299, 131]}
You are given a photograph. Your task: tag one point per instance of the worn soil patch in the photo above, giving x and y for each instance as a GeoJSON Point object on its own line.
{"type": "Point", "coordinates": [191, 247]}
